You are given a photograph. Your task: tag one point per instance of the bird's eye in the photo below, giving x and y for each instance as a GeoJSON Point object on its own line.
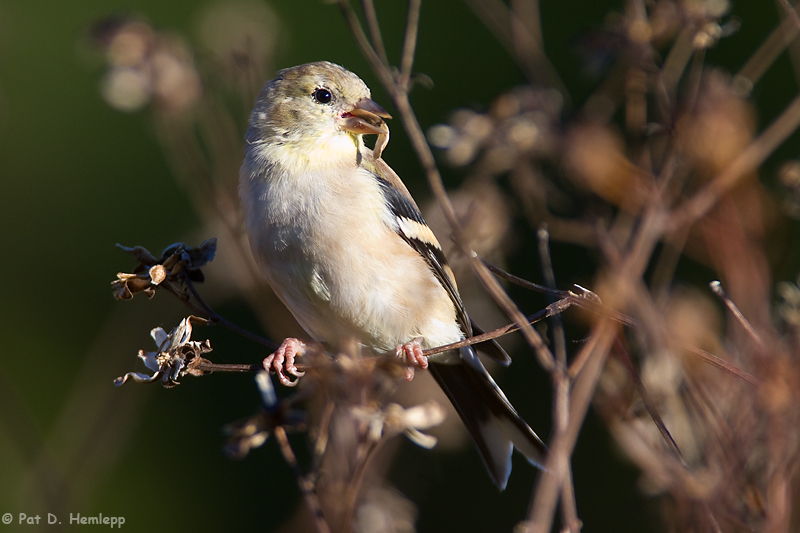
{"type": "Point", "coordinates": [322, 95]}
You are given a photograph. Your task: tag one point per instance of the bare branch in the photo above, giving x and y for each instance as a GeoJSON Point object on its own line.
{"type": "Point", "coordinates": [371, 16]}
{"type": "Point", "coordinates": [409, 44]}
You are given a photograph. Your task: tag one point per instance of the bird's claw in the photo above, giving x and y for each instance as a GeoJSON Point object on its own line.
{"type": "Point", "coordinates": [281, 361]}
{"type": "Point", "coordinates": [411, 353]}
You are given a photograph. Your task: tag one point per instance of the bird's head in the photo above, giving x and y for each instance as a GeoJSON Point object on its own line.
{"type": "Point", "coordinates": [318, 106]}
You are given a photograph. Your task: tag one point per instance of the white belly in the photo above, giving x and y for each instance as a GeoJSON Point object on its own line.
{"type": "Point", "coordinates": [323, 244]}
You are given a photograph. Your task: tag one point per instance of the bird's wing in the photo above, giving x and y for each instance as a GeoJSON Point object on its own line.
{"type": "Point", "coordinates": [386, 172]}
{"type": "Point", "coordinates": [411, 226]}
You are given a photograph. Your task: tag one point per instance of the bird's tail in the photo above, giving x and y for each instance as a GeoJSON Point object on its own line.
{"type": "Point", "coordinates": [492, 422]}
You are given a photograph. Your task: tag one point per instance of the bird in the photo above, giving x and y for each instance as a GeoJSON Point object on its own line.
{"type": "Point", "coordinates": [344, 246]}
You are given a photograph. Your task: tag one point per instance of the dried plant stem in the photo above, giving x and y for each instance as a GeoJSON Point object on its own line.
{"type": "Point", "coordinates": [379, 67]}
{"type": "Point", "coordinates": [305, 487]}
{"type": "Point", "coordinates": [354, 487]}
{"type": "Point", "coordinates": [559, 339]}
{"type": "Point", "coordinates": [676, 61]}
{"type": "Point", "coordinates": [791, 12]}
{"type": "Point", "coordinates": [409, 44]}
{"type": "Point", "coordinates": [525, 283]}
{"type": "Point", "coordinates": [567, 300]}
{"type": "Point", "coordinates": [489, 282]}
{"type": "Point", "coordinates": [716, 286]}
{"type": "Point", "coordinates": [205, 310]}
{"type": "Point", "coordinates": [561, 385]}
{"type": "Point", "coordinates": [556, 467]}
{"type": "Point", "coordinates": [371, 16]}
{"type": "Point", "coordinates": [553, 309]}
{"type": "Point", "coordinates": [713, 360]}
{"type": "Point", "coordinates": [323, 435]}
{"type": "Point", "coordinates": [215, 367]}
{"type": "Point", "coordinates": [595, 352]}
{"type": "Point", "coordinates": [648, 403]}
{"type": "Point", "coordinates": [589, 303]}
{"type": "Point", "coordinates": [517, 29]}
{"type": "Point", "coordinates": [768, 52]}
{"type": "Point", "coordinates": [548, 311]}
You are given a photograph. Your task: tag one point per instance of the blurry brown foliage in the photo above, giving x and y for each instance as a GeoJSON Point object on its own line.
{"type": "Point", "coordinates": [659, 165]}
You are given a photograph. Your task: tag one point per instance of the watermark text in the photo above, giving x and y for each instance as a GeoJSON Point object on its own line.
{"type": "Point", "coordinates": [74, 519]}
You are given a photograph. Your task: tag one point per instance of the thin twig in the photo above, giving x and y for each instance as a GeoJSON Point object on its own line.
{"type": "Point", "coordinates": [556, 465]}
{"type": "Point", "coordinates": [212, 316]}
{"type": "Point", "coordinates": [716, 286]}
{"type": "Point", "coordinates": [377, 64]}
{"type": "Point", "coordinates": [767, 53]}
{"type": "Point", "coordinates": [525, 283]}
{"type": "Point", "coordinates": [522, 42]}
{"type": "Point", "coordinates": [374, 29]}
{"type": "Point", "coordinates": [216, 367]}
{"type": "Point", "coordinates": [323, 436]}
{"type": "Point", "coordinates": [722, 364]}
{"type": "Point", "coordinates": [550, 310]}
{"type": "Point", "coordinates": [675, 63]}
{"type": "Point", "coordinates": [354, 487]}
{"type": "Point", "coordinates": [559, 340]}
{"type": "Point", "coordinates": [409, 44]}
{"type": "Point", "coordinates": [489, 282]}
{"type": "Point", "coordinates": [561, 383]}
{"type": "Point", "coordinates": [591, 304]}
{"type": "Point", "coordinates": [648, 403]}
{"type": "Point", "coordinates": [305, 487]}
{"type": "Point", "coordinates": [791, 11]}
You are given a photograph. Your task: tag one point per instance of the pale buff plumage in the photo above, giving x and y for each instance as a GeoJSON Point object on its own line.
{"type": "Point", "coordinates": [315, 226]}
{"type": "Point", "coordinates": [343, 245]}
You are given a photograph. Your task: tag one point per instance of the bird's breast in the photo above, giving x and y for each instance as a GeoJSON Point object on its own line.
{"type": "Point", "coordinates": [325, 242]}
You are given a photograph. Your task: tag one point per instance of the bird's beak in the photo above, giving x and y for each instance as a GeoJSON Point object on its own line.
{"type": "Point", "coordinates": [366, 117]}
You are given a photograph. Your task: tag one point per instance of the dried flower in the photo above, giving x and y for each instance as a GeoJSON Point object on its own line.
{"type": "Point", "coordinates": [175, 357]}
{"type": "Point", "coordinates": [146, 65]}
{"type": "Point", "coordinates": [520, 123]}
{"type": "Point", "coordinates": [789, 309]}
{"type": "Point", "coordinates": [176, 262]}
{"type": "Point", "coordinates": [395, 419]}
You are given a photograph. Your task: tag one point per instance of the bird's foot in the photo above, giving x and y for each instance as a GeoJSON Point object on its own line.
{"type": "Point", "coordinates": [281, 361]}
{"type": "Point", "coordinates": [411, 353]}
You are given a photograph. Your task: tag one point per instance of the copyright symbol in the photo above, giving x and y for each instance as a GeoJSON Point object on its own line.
{"type": "Point", "coordinates": [7, 518]}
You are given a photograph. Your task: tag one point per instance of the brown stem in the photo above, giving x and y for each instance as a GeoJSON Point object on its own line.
{"type": "Point", "coordinates": [368, 6]}
{"type": "Point", "coordinates": [305, 487]}
{"type": "Point", "coordinates": [212, 316]}
{"type": "Point", "coordinates": [549, 485]}
{"type": "Point", "coordinates": [409, 44]}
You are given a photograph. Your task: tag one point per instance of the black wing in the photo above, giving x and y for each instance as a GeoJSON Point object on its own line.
{"type": "Point", "coordinates": [412, 228]}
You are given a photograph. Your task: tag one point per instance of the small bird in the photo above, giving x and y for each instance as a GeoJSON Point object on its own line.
{"type": "Point", "coordinates": [344, 246]}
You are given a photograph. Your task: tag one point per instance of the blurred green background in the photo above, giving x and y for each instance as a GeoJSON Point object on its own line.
{"type": "Point", "coordinates": [79, 176]}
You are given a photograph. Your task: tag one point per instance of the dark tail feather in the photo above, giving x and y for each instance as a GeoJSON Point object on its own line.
{"type": "Point", "coordinates": [492, 422]}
